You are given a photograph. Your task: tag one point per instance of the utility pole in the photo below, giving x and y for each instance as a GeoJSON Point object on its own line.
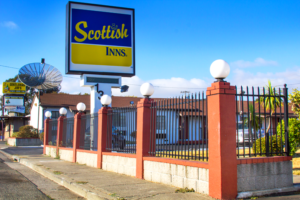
{"type": "Point", "coordinates": [185, 92]}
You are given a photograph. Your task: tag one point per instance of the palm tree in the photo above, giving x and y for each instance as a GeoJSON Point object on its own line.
{"type": "Point", "coordinates": [270, 102]}
{"type": "Point", "coordinates": [253, 121]}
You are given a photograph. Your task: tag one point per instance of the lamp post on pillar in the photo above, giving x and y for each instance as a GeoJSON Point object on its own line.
{"type": "Point", "coordinates": [222, 134]}
{"type": "Point", "coordinates": [102, 128]}
{"type": "Point", "coordinates": [143, 127]}
{"type": "Point", "coordinates": [46, 130]}
{"type": "Point", "coordinates": [77, 126]}
{"type": "Point", "coordinates": [60, 124]}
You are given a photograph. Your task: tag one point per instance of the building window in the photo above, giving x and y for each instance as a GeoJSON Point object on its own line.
{"type": "Point", "coordinates": [55, 114]}
{"type": "Point", "coordinates": [119, 119]}
{"type": "Point", "coordinates": [160, 123]}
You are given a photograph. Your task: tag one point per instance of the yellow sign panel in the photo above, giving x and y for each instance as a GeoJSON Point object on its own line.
{"type": "Point", "coordinates": [13, 88]}
{"type": "Point", "coordinates": [101, 55]}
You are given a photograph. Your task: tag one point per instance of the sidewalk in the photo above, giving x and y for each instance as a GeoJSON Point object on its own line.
{"type": "Point", "coordinates": [93, 183]}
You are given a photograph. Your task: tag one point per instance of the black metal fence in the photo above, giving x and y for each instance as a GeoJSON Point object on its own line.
{"type": "Point", "coordinates": [121, 129]}
{"type": "Point", "coordinates": [89, 132]}
{"type": "Point", "coordinates": [52, 136]}
{"type": "Point", "coordinates": [259, 112]}
{"type": "Point", "coordinates": [68, 132]}
{"type": "Point", "coordinates": [178, 128]}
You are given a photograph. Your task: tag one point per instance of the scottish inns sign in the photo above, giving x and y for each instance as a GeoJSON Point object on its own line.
{"type": "Point", "coordinates": [100, 40]}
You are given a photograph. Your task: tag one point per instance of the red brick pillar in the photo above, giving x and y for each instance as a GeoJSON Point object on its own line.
{"type": "Point", "coordinates": [142, 134]}
{"type": "Point", "coordinates": [222, 140]}
{"type": "Point", "coordinates": [60, 125]}
{"type": "Point", "coordinates": [76, 136]}
{"type": "Point", "coordinates": [102, 134]}
{"type": "Point", "coordinates": [46, 133]}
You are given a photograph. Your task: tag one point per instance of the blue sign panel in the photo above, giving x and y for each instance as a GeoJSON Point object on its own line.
{"type": "Point", "coordinates": [102, 28]}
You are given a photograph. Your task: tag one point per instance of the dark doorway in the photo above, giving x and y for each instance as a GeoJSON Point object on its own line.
{"type": "Point", "coordinates": [183, 128]}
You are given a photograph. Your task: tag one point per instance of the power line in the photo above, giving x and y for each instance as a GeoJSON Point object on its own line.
{"type": "Point", "coordinates": [164, 86]}
{"type": "Point", "coordinates": [18, 68]}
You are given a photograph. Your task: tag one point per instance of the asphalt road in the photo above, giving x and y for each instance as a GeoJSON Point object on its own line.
{"type": "Point", "coordinates": [14, 185]}
{"type": "Point", "coordinates": [20, 182]}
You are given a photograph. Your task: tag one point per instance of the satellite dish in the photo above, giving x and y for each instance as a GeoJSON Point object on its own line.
{"type": "Point", "coordinates": [40, 76]}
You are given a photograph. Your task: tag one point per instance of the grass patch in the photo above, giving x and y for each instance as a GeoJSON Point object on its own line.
{"type": "Point", "coordinates": [50, 197]}
{"type": "Point", "coordinates": [254, 198]}
{"type": "Point", "coordinates": [57, 172]}
{"type": "Point", "coordinates": [48, 168]}
{"type": "Point", "coordinates": [194, 155]}
{"type": "Point", "coordinates": [113, 194]}
{"type": "Point", "coordinates": [184, 190]}
{"type": "Point", "coordinates": [81, 182]}
{"type": "Point", "coordinates": [57, 157]}
{"type": "Point", "coordinates": [79, 163]}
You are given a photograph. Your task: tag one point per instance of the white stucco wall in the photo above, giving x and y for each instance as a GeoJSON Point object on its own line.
{"type": "Point", "coordinates": [90, 159]}
{"type": "Point", "coordinates": [43, 110]}
{"type": "Point", "coordinates": [177, 175]}
{"type": "Point", "coordinates": [11, 141]}
{"type": "Point", "coordinates": [118, 164]}
{"type": "Point", "coordinates": [66, 155]}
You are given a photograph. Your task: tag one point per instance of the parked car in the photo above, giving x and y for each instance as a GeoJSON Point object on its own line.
{"type": "Point", "coordinates": [118, 138]}
{"type": "Point", "coordinates": [240, 133]}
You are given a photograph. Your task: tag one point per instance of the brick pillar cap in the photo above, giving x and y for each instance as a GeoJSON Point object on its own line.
{"type": "Point", "coordinates": [104, 110]}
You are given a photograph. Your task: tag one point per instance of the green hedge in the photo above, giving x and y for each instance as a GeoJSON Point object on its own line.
{"type": "Point", "coordinates": [294, 138]}
{"type": "Point", "coordinates": [260, 145]}
{"type": "Point", "coordinates": [26, 132]}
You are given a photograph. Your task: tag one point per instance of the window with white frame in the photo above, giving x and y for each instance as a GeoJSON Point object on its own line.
{"type": "Point", "coordinates": [54, 114]}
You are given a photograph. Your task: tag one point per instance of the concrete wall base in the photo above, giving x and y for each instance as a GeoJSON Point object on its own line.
{"type": "Point", "coordinates": [66, 155]}
{"type": "Point", "coordinates": [90, 159]}
{"type": "Point", "coordinates": [51, 151]}
{"type": "Point", "coordinates": [24, 142]}
{"type": "Point", "coordinates": [264, 176]}
{"type": "Point", "coordinates": [118, 164]}
{"type": "Point", "coordinates": [258, 193]}
{"type": "Point", "coordinates": [177, 175]}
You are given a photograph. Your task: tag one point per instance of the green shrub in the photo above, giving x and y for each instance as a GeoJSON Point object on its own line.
{"type": "Point", "coordinates": [294, 138]}
{"type": "Point", "coordinates": [259, 145]}
{"type": "Point", "coordinates": [294, 134]}
{"type": "Point", "coordinates": [26, 132]}
{"type": "Point", "coordinates": [42, 137]}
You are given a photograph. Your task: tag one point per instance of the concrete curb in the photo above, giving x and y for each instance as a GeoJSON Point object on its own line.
{"type": "Point", "coordinates": [83, 190]}
{"type": "Point", "coordinates": [243, 195]}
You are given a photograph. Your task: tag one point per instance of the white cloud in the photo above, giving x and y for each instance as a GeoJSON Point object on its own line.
{"type": "Point", "coordinates": [162, 87]}
{"type": "Point", "coordinates": [9, 24]}
{"type": "Point", "coordinates": [72, 85]}
{"type": "Point", "coordinates": [172, 87]}
{"type": "Point", "coordinates": [289, 76]}
{"type": "Point", "coordinates": [256, 63]}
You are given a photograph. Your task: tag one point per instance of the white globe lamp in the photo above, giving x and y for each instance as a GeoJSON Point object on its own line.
{"type": "Point", "coordinates": [147, 89]}
{"type": "Point", "coordinates": [81, 107]}
{"type": "Point", "coordinates": [219, 69]}
{"type": "Point", "coordinates": [105, 100]}
{"type": "Point", "coordinates": [62, 111]}
{"type": "Point", "coordinates": [48, 114]}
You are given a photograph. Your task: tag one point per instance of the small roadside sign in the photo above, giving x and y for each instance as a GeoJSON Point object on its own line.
{"type": "Point", "coordinates": [13, 88]}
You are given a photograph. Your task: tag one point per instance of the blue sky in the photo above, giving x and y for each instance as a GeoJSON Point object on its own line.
{"type": "Point", "coordinates": [176, 41]}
